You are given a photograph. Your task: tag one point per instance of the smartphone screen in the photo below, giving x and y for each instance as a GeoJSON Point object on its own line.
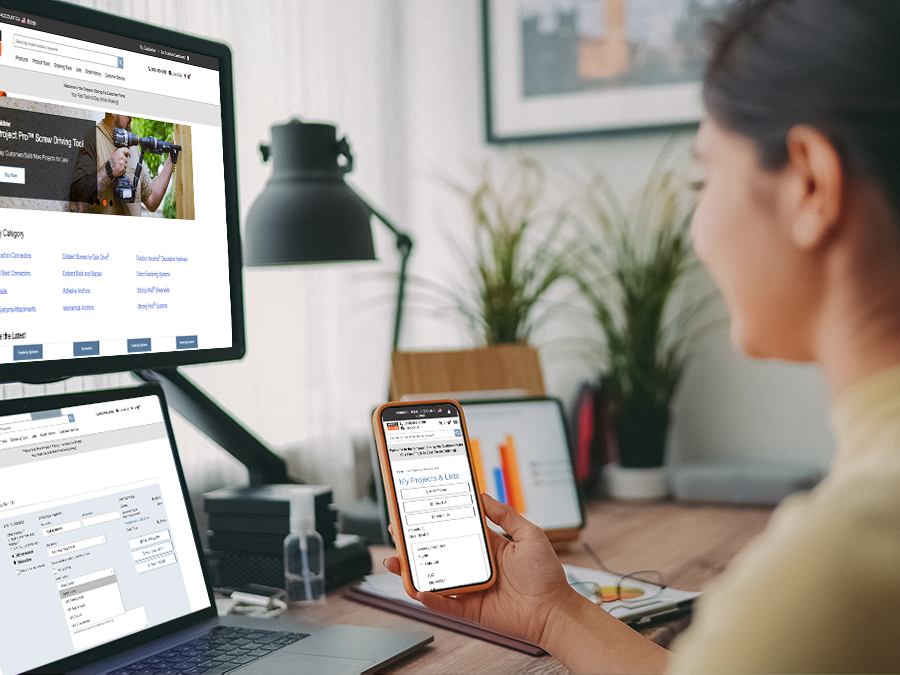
{"type": "Point", "coordinates": [440, 515]}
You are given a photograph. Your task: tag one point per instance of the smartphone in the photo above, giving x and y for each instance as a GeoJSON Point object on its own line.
{"type": "Point", "coordinates": [433, 497]}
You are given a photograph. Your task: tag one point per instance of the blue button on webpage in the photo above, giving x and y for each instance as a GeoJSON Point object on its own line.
{"type": "Point", "coordinates": [86, 348]}
{"type": "Point", "coordinates": [186, 342]}
{"type": "Point", "coordinates": [138, 345]}
{"type": "Point", "coordinates": [28, 352]}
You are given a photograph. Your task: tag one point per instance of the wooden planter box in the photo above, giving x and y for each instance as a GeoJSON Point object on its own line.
{"type": "Point", "coordinates": [501, 368]}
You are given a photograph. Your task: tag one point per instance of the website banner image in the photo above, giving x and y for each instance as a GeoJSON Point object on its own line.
{"type": "Point", "coordinates": [61, 159]}
{"type": "Point", "coordinates": [43, 147]}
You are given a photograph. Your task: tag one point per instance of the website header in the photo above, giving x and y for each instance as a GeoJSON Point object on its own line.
{"type": "Point", "coordinates": [99, 37]}
{"type": "Point", "coordinates": [403, 412]}
{"type": "Point", "coordinates": [54, 68]}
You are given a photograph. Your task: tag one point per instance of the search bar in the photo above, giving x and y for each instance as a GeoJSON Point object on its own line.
{"type": "Point", "coordinates": [67, 51]}
{"type": "Point", "coordinates": [424, 436]}
{"type": "Point", "coordinates": [31, 425]}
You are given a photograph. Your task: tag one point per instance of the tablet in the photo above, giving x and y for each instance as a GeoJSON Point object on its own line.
{"type": "Point", "coordinates": [520, 452]}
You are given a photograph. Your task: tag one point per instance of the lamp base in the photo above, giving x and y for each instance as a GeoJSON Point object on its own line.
{"type": "Point", "coordinates": [643, 485]}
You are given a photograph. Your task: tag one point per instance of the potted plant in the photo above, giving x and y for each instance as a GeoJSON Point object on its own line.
{"type": "Point", "coordinates": [633, 263]}
{"type": "Point", "coordinates": [514, 265]}
{"type": "Point", "coordinates": [518, 257]}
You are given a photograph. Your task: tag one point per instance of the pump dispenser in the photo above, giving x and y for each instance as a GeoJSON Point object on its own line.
{"type": "Point", "coordinates": [304, 554]}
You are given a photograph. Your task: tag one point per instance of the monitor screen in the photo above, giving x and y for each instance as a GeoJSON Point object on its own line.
{"type": "Point", "coordinates": [119, 242]}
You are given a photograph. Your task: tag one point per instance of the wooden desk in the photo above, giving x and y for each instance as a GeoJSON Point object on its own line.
{"type": "Point", "coordinates": [689, 545]}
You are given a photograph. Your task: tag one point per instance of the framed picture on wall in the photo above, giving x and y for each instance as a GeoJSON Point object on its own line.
{"type": "Point", "coordinates": [574, 67]}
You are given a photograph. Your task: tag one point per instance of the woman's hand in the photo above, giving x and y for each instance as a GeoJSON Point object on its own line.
{"type": "Point", "coordinates": [530, 585]}
{"type": "Point", "coordinates": [532, 600]}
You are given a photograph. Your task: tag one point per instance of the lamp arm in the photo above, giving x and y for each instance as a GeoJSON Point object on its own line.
{"type": "Point", "coordinates": [405, 249]}
{"type": "Point", "coordinates": [404, 246]}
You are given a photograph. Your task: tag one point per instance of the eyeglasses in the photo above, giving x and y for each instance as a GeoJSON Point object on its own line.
{"type": "Point", "coordinates": [631, 590]}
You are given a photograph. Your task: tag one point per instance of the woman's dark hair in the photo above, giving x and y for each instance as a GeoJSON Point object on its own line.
{"type": "Point", "coordinates": [831, 64]}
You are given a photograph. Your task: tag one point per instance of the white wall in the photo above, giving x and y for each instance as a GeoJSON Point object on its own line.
{"type": "Point", "coordinates": [403, 80]}
{"type": "Point", "coordinates": [729, 408]}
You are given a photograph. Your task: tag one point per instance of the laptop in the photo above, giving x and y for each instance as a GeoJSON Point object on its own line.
{"type": "Point", "coordinates": [101, 568]}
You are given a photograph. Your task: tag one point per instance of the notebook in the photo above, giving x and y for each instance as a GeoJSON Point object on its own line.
{"type": "Point", "coordinates": [658, 605]}
{"type": "Point", "coordinates": [100, 555]}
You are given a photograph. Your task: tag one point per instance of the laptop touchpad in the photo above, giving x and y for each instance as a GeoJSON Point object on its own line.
{"type": "Point", "coordinates": [287, 663]}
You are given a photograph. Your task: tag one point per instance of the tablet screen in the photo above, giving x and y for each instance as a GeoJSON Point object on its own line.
{"type": "Point", "coordinates": [520, 448]}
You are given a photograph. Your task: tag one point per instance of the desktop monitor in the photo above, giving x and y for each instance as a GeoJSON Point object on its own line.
{"type": "Point", "coordinates": [104, 268]}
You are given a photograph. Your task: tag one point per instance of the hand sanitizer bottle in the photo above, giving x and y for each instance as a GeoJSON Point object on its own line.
{"type": "Point", "coordinates": [304, 554]}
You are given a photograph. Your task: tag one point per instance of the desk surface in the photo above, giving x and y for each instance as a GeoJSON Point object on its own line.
{"type": "Point", "coordinates": [689, 545]}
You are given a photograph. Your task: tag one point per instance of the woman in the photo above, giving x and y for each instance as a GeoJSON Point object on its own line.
{"type": "Point", "coordinates": [798, 224]}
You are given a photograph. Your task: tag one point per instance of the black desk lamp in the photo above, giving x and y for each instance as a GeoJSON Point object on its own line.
{"type": "Point", "coordinates": [305, 214]}
{"type": "Point", "coordinates": [308, 214]}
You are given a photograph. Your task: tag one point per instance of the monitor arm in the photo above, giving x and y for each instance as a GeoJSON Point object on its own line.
{"type": "Point", "coordinates": [203, 412]}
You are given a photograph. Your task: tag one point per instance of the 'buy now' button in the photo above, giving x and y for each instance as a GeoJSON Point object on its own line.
{"type": "Point", "coordinates": [11, 174]}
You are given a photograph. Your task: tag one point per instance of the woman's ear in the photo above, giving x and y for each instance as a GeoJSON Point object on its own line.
{"type": "Point", "coordinates": [817, 186]}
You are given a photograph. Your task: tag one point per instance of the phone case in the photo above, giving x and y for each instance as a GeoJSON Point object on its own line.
{"type": "Point", "coordinates": [394, 506]}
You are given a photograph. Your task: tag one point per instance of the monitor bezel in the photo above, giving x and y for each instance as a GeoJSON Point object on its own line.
{"type": "Point", "coordinates": [51, 370]}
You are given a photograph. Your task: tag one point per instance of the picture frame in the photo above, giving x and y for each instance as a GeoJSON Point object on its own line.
{"type": "Point", "coordinates": [566, 68]}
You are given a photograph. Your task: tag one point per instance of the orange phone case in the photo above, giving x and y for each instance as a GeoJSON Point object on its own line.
{"type": "Point", "coordinates": [394, 507]}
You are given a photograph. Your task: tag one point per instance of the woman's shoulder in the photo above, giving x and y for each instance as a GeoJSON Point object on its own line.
{"type": "Point", "coordinates": [815, 590]}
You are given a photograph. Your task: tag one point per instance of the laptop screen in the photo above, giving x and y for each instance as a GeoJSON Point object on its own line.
{"type": "Point", "coordinates": [95, 538]}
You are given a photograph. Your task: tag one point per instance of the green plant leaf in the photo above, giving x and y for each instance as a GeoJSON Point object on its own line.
{"type": "Point", "coordinates": [512, 269]}
{"type": "Point", "coordinates": [631, 268]}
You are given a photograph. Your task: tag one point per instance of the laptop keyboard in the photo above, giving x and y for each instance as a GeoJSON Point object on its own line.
{"type": "Point", "coordinates": [222, 649]}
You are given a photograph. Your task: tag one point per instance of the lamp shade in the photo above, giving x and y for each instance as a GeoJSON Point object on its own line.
{"type": "Point", "coordinates": [307, 213]}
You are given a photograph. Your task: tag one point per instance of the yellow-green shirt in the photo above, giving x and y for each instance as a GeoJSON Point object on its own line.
{"type": "Point", "coordinates": [819, 590]}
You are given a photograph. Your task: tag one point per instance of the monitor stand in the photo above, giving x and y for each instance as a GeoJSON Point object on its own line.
{"type": "Point", "coordinates": [209, 417]}
{"type": "Point", "coordinates": [343, 563]}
